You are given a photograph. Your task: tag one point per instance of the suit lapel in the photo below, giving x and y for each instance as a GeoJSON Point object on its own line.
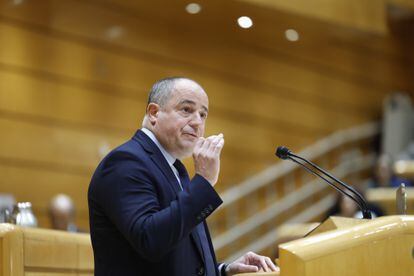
{"type": "Point", "coordinates": [158, 159]}
{"type": "Point", "coordinates": [163, 165]}
{"type": "Point", "coordinates": [167, 171]}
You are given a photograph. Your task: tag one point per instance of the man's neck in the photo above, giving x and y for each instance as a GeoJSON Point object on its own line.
{"type": "Point", "coordinates": [168, 156]}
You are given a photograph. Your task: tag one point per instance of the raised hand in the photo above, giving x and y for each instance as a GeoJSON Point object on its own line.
{"type": "Point", "coordinates": [206, 155]}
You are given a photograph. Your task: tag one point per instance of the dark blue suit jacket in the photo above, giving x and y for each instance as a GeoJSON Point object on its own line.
{"type": "Point", "coordinates": [141, 222]}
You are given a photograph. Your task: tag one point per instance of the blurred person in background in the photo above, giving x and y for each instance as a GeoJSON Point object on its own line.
{"type": "Point", "coordinates": [7, 202]}
{"type": "Point", "coordinates": [346, 207]}
{"type": "Point", "coordinates": [384, 175]}
{"type": "Point", "coordinates": [62, 213]}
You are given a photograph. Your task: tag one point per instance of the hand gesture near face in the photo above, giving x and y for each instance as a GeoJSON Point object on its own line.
{"type": "Point", "coordinates": [206, 155]}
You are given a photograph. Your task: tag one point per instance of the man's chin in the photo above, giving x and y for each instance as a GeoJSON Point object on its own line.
{"type": "Point", "coordinates": [187, 149]}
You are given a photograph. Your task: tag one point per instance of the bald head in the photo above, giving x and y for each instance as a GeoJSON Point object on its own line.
{"type": "Point", "coordinates": [176, 114]}
{"type": "Point", "coordinates": [162, 90]}
{"type": "Point", "coordinates": [61, 211]}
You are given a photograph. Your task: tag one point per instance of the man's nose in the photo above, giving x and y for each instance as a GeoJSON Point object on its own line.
{"type": "Point", "coordinates": [196, 120]}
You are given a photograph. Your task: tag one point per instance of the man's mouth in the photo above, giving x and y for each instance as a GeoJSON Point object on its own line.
{"type": "Point", "coordinates": [192, 134]}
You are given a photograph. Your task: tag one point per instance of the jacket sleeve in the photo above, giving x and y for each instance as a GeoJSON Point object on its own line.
{"type": "Point", "coordinates": [130, 200]}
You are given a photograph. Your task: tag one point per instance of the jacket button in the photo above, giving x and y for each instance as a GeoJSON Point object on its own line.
{"type": "Point", "coordinates": [200, 271]}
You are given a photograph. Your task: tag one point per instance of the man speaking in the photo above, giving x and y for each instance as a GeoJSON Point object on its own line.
{"type": "Point", "coordinates": [146, 216]}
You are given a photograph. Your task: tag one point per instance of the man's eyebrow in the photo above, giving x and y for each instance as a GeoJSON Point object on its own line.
{"type": "Point", "coordinates": [193, 103]}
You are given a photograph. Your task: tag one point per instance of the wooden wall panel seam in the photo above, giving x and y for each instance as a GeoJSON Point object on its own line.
{"type": "Point", "coordinates": [49, 121]}
{"type": "Point", "coordinates": [378, 84]}
{"type": "Point", "coordinates": [149, 56]}
{"type": "Point", "coordinates": [269, 18]}
{"type": "Point", "coordinates": [232, 115]}
{"type": "Point", "coordinates": [116, 132]}
{"type": "Point", "coordinates": [334, 39]}
{"type": "Point", "coordinates": [46, 166]}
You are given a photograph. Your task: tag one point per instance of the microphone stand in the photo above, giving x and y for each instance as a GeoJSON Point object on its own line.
{"type": "Point", "coordinates": [285, 153]}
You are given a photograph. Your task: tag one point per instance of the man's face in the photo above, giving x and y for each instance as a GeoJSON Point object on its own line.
{"type": "Point", "coordinates": [181, 121]}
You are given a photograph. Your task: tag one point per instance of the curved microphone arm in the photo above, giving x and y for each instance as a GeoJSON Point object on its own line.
{"type": "Point", "coordinates": [284, 153]}
{"type": "Point", "coordinates": [329, 182]}
{"type": "Point", "coordinates": [361, 199]}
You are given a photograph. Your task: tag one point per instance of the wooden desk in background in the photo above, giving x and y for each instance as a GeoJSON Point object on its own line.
{"type": "Point", "coordinates": [34, 252]}
{"type": "Point", "coordinates": [385, 198]}
{"type": "Point", "coordinates": [381, 247]}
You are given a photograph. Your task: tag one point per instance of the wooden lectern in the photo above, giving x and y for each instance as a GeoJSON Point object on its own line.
{"type": "Point", "coordinates": [351, 247]}
{"type": "Point", "coordinates": [338, 247]}
{"type": "Point", "coordinates": [35, 252]}
{"type": "Point", "coordinates": [383, 246]}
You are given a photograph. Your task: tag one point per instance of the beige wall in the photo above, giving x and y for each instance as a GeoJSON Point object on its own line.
{"type": "Point", "coordinates": [67, 91]}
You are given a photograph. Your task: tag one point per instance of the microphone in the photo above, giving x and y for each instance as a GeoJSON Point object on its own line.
{"type": "Point", "coordinates": [284, 153]}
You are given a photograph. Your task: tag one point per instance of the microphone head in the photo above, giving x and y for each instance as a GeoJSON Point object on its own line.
{"type": "Point", "coordinates": [282, 152]}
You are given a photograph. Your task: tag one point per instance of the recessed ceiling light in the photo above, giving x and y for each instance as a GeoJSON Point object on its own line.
{"type": "Point", "coordinates": [245, 22]}
{"type": "Point", "coordinates": [17, 2]}
{"type": "Point", "coordinates": [292, 35]}
{"type": "Point", "coordinates": [193, 8]}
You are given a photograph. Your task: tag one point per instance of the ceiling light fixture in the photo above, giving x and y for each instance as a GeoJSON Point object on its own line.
{"type": "Point", "coordinates": [292, 35]}
{"type": "Point", "coordinates": [193, 8]}
{"type": "Point", "coordinates": [245, 22]}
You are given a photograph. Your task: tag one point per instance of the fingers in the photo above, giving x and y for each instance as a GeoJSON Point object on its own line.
{"type": "Point", "coordinates": [206, 144]}
{"type": "Point", "coordinates": [271, 265]}
{"type": "Point", "coordinates": [251, 262]}
{"type": "Point", "coordinates": [206, 155]}
{"type": "Point", "coordinates": [242, 268]}
{"type": "Point", "coordinates": [219, 143]}
{"type": "Point", "coordinates": [200, 142]}
{"type": "Point", "coordinates": [211, 144]}
{"type": "Point", "coordinates": [265, 262]}
{"type": "Point", "coordinates": [219, 147]}
{"type": "Point", "coordinates": [198, 146]}
{"type": "Point", "coordinates": [216, 143]}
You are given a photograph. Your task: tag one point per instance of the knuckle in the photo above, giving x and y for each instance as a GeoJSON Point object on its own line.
{"type": "Point", "coordinates": [213, 156]}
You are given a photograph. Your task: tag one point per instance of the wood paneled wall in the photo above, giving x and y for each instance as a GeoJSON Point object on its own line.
{"type": "Point", "coordinates": [69, 91]}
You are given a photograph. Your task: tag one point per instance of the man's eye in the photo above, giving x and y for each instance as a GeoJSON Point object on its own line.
{"type": "Point", "coordinates": [186, 109]}
{"type": "Point", "coordinates": [203, 115]}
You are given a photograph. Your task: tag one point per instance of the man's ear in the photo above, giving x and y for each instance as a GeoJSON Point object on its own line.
{"type": "Point", "coordinates": [152, 112]}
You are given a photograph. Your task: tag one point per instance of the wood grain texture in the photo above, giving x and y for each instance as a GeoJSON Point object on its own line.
{"type": "Point", "coordinates": [44, 252]}
{"type": "Point", "coordinates": [69, 91]}
{"type": "Point", "coordinates": [382, 246]}
{"type": "Point", "coordinates": [364, 15]}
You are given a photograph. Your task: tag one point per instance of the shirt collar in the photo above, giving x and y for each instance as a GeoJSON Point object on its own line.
{"type": "Point", "coordinates": [170, 159]}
